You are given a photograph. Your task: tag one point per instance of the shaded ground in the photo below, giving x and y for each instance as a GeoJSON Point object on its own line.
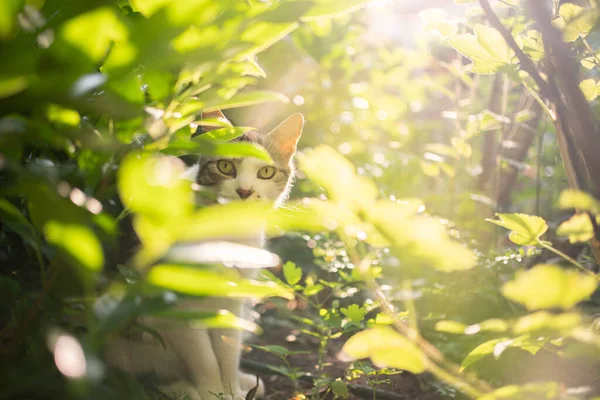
{"type": "Point", "coordinates": [279, 332]}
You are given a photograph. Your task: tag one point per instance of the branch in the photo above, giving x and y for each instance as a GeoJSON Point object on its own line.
{"type": "Point", "coordinates": [526, 63]}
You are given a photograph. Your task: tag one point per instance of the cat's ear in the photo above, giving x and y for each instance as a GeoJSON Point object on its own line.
{"type": "Point", "coordinates": [215, 114]}
{"type": "Point", "coordinates": [284, 138]}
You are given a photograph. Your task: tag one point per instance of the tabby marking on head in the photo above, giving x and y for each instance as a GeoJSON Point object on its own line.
{"type": "Point", "coordinates": [253, 179]}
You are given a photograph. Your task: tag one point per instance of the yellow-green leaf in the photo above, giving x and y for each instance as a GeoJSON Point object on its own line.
{"type": "Point", "coordinates": [78, 241]}
{"type": "Point", "coordinates": [578, 200]}
{"type": "Point", "coordinates": [152, 185]}
{"type": "Point", "coordinates": [525, 229]}
{"type": "Point", "coordinates": [590, 89]}
{"type": "Point", "coordinates": [497, 347]}
{"type": "Point", "coordinates": [203, 282]}
{"type": "Point", "coordinates": [578, 228]}
{"type": "Point", "coordinates": [575, 21]}
{"type": "Point", "coordinates": [549, 286]}
{"type": "Point", "coordinates": [386, 348]}
{"type": "Point", "coordinates": [543, 321]}
{"type": "Point", "coordinates": [487, 49]}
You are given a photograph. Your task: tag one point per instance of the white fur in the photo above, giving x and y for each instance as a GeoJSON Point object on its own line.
{"type": "Point", "coordinates": [248, 179]}
{"type": "Point", "coordinates": [201, 361]}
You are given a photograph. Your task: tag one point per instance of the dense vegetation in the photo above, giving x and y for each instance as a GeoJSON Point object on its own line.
{"type": "Point", "coordinates": [442, 236]}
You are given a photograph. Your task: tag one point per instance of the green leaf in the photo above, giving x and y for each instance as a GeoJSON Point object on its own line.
{"type": "Point", "coordinates": [152, 185]}
{"type": "Point", "coordinates": [207, 319]}
{"type": "Point", "coordinates": [543, 322]}
{"type": "Point", "coordinates": [575, 21]}
{"type": "Point", "coordinates": [578, 200]}
{"type": "Point", "coordinates": [578, 228]}
{"type": "Point", "coordinates": [525, 229]}
{"type": "Point", "coordinates": [355, 313]}
{"type": "Point", "coordinates": [497, 347]}
{"type": "Point", "coordinates": [208, 146]}
{"type": "Point", "coordinates": [529, 391]}
{"type": "Point", "coordinates": [202, 282]}
{"type": "Point", "coordinates": [341, 183]}
{"type": "Point", "coordinates": [333, 8]}
{"type": "Point", "coordinates": [246, 99]}
{"type": "Point", "coordinates": [435, 20]}
{"type": "Point", "coordinates": [590, 62]}
{"type": "Point", "coordinates": [386, 348]}
{"type": "Point", "coordinates": [148, 7]}
{"type": "Point", "coordinates": [227, 133]}
{"type": "Point", "coordinates": [450, 327]}
{"type": "Point", "coordinates": [419, 241]}
{"type": "Point", "coordinates": [532, 44]}
{"type": "Point", "coordinates": [292, 273]}
{"type": "Point", "coordinates": [9, 9]}
{"type": "Point", "coordinates": [487, 49]}
{"type": "Point", "coordinates": [99, 27]}
{"type": "Point", "coordinates": [590, 89]}
{"type": "Point", "coordinates": [561, 288]}
{"type": "Point", "coordinates": [12, 85]}
{"type": "Point", "coordinates": [339, 389]}
{"type": "Point", "coordinates": [78, 241]}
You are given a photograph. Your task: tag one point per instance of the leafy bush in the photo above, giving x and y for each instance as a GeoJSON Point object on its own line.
{"type": "Point", "coordinates": [389, 266]}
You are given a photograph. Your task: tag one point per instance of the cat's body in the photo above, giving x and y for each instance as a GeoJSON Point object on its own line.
{"type": "Point", "coordinates": [195, 360]}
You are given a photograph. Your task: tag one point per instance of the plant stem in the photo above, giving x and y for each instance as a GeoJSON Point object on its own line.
{"type": "Point", "coordinates": [438, 365]}
{"type": "Point", "coordinates": [409, 305]}
{"type": "Point", "coordinates": [590, 50]}
{"type": "Point", "coordinates": [566, 257]}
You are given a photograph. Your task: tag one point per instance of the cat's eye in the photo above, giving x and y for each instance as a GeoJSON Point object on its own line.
{"type": "Point", "coordinates": [266, 172]}
{"type": "Point", "coordinates": [226, 167]}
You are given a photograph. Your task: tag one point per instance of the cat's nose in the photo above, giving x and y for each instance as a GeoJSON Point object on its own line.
{"type": "Point", "coordinates": [244, 193]}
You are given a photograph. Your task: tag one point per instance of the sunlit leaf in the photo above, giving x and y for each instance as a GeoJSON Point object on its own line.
{"type": "Point", "coordinates": [561, 288]}
{"type": "Point", "coordinates": [578, 200]}
{"type": "Point", "coordinates": [487, 49]}
{"type": "Point", "coordinates": [221, 252]}
{"type": "Point", "coordinates": [536, 390]}
{"type": "Point", "coordinates": [435, 20]}
{"type": "Point", "coordinates": [202, 282]}
{"type": "Point", "coordinates": [333, 8]}
{"type": "Point", "coordinates": [12, 85]}
{"type": "Point", "coordinates": [413, 239]}
{"type": "Point", "coordinates": [151, 185]}
{"type": "Point", "coordinates": [341, 183]}
{"type": "Point", "coordinates": [208, 146]}
{"type": "Point", "coordinates": [100, 27]}
{"type": "Point", "coordinates": [450, 327]}
{"type": "Point", "coordinates": [542, 321]}
{"type": "Point", "coordinates": [78, 241]}
{"type": "Point", "coordinates": [9, 9]}
{"type": "Point", "coordinates": [578, 228]}
{"type": "Point", "coordinates": [532, 44]}
{"type": "Point", "coordinates": [386, 348]}
{"type": "Point", "coordinates": [354, 312]}
{"type": "Point", "coordinates": [340, 389]}
{"type": "Point", "coordinates": [525, 229]}
{"type": "Point", "coordinates": [497, 347]}
{"type": "Point", "coordinates": [590, 89]}
{"type": "Point", "coordinates": [207, 319]}
{"type": "Point", "coordinates": [227, 133]}
{"type": "Point", "coordinates": [575, 21]}
{"type": "Point", "coordinates": [292, 273]}
{"type": "Point", "coordinates": [148, 7]}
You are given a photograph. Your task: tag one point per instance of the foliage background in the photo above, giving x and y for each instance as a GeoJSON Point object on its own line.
{"type": "Point", "coordinates": [419, 127]}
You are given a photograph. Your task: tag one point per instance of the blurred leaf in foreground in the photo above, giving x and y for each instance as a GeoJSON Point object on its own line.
{"type": "Point", "coordinates": [549, 286]}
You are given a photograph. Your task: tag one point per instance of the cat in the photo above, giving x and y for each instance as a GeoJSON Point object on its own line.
{"type": "Point", "coordinates": [198, 361]}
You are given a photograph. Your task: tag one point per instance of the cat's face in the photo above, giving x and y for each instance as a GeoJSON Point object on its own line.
{"type": "Point", "coordinates": [253, 179]}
